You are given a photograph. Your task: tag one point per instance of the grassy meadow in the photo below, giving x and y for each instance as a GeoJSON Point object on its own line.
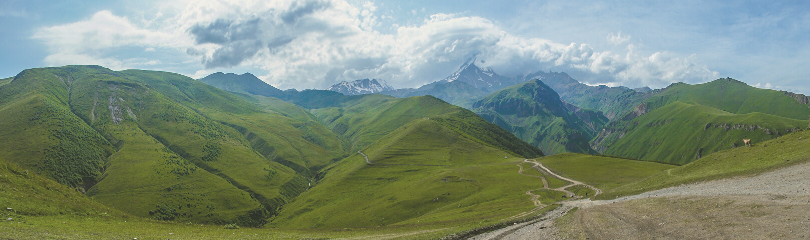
{"type": "Point", "coordinates": [761, 157]}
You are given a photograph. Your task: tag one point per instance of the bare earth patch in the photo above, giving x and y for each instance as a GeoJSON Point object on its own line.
{"type": "Point", "coordinates": [773, 205]}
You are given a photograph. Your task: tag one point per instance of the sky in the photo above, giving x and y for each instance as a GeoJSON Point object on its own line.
{"type": "Point", "coordinates": [312, 44]}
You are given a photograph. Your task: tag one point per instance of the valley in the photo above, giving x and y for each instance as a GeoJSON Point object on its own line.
{"type": "Point", "coordinates": [87, 151]}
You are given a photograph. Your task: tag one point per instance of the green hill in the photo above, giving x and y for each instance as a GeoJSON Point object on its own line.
{"type": "Point", "coordinates": [534, 112]}
{"type": "Point", "coordinates": [24, 193]}
{"type": "Point", "coordinates": [365, 119]}
{"type": "Point", "coordinates": [614, 102]}
{"type": "Point", "coordinates": [160, 145]}
{"type": "Point", "coordinates": [424, 172]}
{"type": "Point", "coordinates": [684, 122]}
{"type": "Point", "coordinates": [245, 83]}
{"type": "Point", "coordinates": [762, 157]}
{"type": "Point", "coordinates": [680, 132]}
{"type": "Point", "coordinates": [5, 81]}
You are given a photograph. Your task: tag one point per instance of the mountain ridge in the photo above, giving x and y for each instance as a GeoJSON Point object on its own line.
{"type": "Point", "coordinates": [361, 86]}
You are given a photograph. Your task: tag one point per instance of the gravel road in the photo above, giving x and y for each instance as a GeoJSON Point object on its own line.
{"type": "Point", "coordinates": [790, 183]}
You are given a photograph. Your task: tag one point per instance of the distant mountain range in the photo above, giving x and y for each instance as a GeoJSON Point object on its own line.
{"type": "Point", "coordinates": [361, 86]}
{"type": "Point", "coordinates": [557, 113]}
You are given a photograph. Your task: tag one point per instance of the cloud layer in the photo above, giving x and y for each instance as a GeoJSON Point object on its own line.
{"type": "Point", "coordinates": [315, 43]}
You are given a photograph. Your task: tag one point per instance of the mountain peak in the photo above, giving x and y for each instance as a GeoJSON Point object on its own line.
{"type": "Point", "coordinates": [361, 86]}
{"type": "Point", "coordinates": [244, 83]}
{"type": "Point", "coordinates": [485, 79]}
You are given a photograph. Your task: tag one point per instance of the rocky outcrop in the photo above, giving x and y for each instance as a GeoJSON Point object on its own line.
{"type": "Point", "coordinates": [600, 142]}
{"type": "Point", "coordinates": [801, 98]}
{"type": "Point", "coordinates": [747, 127]}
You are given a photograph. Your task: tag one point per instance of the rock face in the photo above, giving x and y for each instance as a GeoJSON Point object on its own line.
{"type": "Point", "coordinates": [801, 98]}
{"type": "Point", "coordinates": [361, 86]}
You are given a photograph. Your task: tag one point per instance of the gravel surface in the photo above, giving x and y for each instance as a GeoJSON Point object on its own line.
{"type": "Point", "coordinates": [790, 181]}
{"type": "Point", "coordinates": [790, 186]}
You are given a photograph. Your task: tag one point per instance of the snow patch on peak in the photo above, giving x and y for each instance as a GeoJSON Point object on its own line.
{"type": "Point", "coordinates": [361, 86]}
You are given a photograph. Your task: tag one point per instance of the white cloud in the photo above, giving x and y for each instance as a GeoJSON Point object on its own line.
{"type": "Point", "coordinates": [315, 43]}
{"type": "Point", "coordinates": [617, 39]}
{"type": "Point", "coordinates": [768, 85]}
{"type": "Point", "coordinates": [91, 40]}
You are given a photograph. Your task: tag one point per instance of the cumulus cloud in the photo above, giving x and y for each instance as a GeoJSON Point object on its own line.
{"type": "Point", "coordinates": [89, 41]}
{"type": "Point", "coordinates": [315, 43]}
{"type": "Point", "coordinates": [768, 85]}
{"type": "Point", "coordinates": [617, 39]}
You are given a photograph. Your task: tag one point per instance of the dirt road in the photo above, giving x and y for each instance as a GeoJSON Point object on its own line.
{"type": "Point", "coordinates": [775, 204]}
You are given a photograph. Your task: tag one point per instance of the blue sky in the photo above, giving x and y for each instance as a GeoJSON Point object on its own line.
{"type": "Point", "coordinates": [316, 43]}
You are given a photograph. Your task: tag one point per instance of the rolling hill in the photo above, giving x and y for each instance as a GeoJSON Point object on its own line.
{"type": "Point", "coordinates": [684, 122]}
{"type": "Point", "coordinates": [160, 145]}
{"type": "Point", "coordinates": [429, 171]}
{"type": "Point", "coordinates": [614, 102]}
{"type": "Point", "coordinates": [534, 112]}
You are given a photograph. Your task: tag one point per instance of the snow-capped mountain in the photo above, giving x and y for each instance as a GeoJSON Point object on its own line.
{"type": "Point", "coordinates": [484, 79]}
{"type": "Point", "coordinates": [361, 86]}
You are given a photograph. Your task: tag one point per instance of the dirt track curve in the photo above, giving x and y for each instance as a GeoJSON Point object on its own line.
{"type": "Point", "coordinates": [790, 184]}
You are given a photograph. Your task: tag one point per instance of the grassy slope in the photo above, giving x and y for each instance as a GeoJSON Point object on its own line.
{"type": "Point", "coordinates": [476, 184]}
{"type": "Point", "coordinates": [534, 113]}
{"type": "Point", "coordinates": [298, 144]}
{"type": "Point", "coordinates": [67, 123]}
{"type": "Point", "coordinates": [161, 144]}
{"type": "Point", "coordinates": [363, 120]}
{"type": "Point", "coordinates": [41, 208]}
{"type": "Point", "coordinates": [727, 95]}
{"type": "Point", "coordinates": [732, 96]}
{"type": "Point", "coordinates": [614, 102]}
{"type": "Point", "coordinates": [680, 133]}
{"type": "Point", "coordinates": [602, 172]}
{"type": "Point", "coordinates": [29, 194]}
{"type": "Point", "coordinates": [5, 81]}
{"type": "Point", "coordinates": [39, 131]}
{"type": "Point", "coordinates": [765, 156]}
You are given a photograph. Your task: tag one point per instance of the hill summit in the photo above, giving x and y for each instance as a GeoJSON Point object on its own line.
{"type": "Point", "coordinates": [245, 83]}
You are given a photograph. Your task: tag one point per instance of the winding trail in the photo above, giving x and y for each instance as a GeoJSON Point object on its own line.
{"type": "Point", "coordinates": [547, 219]}
{"type": "Point", "coordinates": [572, 181]}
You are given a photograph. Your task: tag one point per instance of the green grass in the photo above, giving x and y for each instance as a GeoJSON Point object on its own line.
{"type": "Point", "coordinates": [605, 173]}
{"type": "Point", "coordinates": [39, 131]}
{"type": "Point", "coordinates": [681, 132]}
{"type": "Point", "coordinates": [761, 157]}
{"type": "Point", "coordinates": [659, 134]}
{"type": "Point", "coordinates": [367, 118]}
{"type": "Point", "coordinates": [580, 190]}
{"type": "Point", "coordinates": [548, 196]}
{"type": "Point", "coordinates": [40, 208]}
{"type": "Point", "coordinates": [5, 81]}
{"type": "Point", "coordinates": [161, 145]}
{"type": "Point", "coordinates": [556, 182]}
{"type": "Point", "coordinates": [613, 102]}
{"type": "Point", "coordinates": [732, 96]}
{"type": "Point", "coordinates": [28, 194]}
{"type": "Point", "coordinates": [533, 112]}
{"type": "Point", "coordinates": [476, 184]}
